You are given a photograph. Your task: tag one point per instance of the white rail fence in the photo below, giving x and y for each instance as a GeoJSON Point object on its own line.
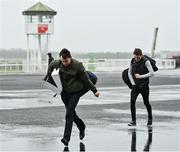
{"type": "Point", "coordinates": [20, 66]}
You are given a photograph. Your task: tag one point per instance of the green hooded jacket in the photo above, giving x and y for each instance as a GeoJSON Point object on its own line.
{"type": "Point", "coordinates": [74, 77]}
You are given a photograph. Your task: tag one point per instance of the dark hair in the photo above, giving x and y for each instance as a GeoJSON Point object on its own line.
{"type": "Point", "coordinates": [65, 53]}
{"type": "Point", "coordinates": [137, 51]}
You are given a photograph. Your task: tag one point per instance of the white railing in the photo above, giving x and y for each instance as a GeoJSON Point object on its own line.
{"type": "Point", "coordinates": [120, 64]}
{"type": "Point", "coordinates": [11, 66]}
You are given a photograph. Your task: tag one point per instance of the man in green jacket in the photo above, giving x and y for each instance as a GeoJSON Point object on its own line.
{"type": "Point", "coordinates": [74, 81]}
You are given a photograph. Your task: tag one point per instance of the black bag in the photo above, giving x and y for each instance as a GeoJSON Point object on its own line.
{"type": "Point", "coordinates": [92, 77]}
{"type": "Point", "coordinates": [125, 78]}
{"type": "Point", "coordinates": [153, 63]}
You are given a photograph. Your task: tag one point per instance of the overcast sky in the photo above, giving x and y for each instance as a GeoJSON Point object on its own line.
{"type": "Point", "coordinates": [97, 25]}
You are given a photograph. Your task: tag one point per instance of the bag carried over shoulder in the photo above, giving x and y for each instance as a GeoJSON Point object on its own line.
{"type": "Point", "coordinates": [125, 76]}
{"type": "Point", "coordinates": [153, 63]}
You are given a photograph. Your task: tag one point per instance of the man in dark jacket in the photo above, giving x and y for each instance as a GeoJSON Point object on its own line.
{"type": "Point", "coordinates": [74, 78]}
{"type": "Point", "coordinates": [140, 70]}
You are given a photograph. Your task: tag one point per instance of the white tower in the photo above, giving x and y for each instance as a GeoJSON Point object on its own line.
{"type": "Point", "coordinates": [39, 22]}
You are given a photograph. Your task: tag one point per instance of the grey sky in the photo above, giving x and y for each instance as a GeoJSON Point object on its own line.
{"type": "Point", "coordinates": [98, 25]}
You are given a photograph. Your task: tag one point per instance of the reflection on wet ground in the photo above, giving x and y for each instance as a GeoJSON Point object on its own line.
{"type": "Point", "coordinates": [105, 137]}
{"type": "Point", "coordinates": [81, 148]}
{"type": "Point", "coordinates": [148, 142]}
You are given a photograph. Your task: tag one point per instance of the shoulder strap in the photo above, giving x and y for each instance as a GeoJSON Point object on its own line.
{"type": "Point", "coordinates": [132, 60]}
{"type": "Point", "coordinates": [144, 59]}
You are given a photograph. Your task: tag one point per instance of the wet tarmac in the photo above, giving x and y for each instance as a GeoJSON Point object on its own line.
{"type": "Point", "coordinates": [115, 137]}
{"type": "Point", "coordinates": [33, 120]}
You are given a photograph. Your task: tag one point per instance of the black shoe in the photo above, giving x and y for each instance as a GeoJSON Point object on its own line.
{"type": "Point", "coordinates": [82, 133]}
{"type": "Point", "coordinates": [64, 141]}
{"type": "Point", "coordinates": [82, 147]}
{"type": "Point", "coordinates": [149, 123]}
{"type": "Point", "coordinates": [66, 149]}
{"type": "Point", "coordinates": [132, 123]}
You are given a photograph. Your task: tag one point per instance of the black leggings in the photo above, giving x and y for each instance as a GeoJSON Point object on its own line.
{"type": "Point", "coordinates": [144, 91]}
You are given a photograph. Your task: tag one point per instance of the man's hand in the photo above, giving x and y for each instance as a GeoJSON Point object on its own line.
{"type": "Point", "coordinates": [138, 76]}
{"type": "Point", "coordinates": [97, 94]}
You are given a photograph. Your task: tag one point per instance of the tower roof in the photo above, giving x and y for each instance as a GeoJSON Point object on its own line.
{"type": "Point", "coordinates": [39, 9]}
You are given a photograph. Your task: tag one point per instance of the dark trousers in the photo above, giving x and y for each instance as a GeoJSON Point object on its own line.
{"type": "Point", "coordinates": [71, 101]}
{"type": "Point", "coordinates": [144, 91]}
